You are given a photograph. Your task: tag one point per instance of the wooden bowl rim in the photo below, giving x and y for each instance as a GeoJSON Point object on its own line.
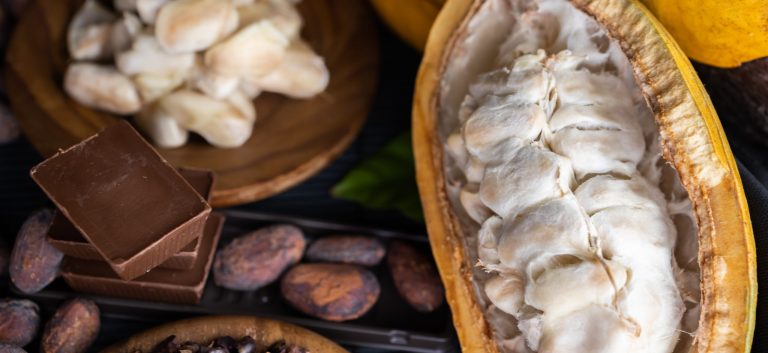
{"type": "Point", "coordinates": [241, 189]}
{"type": "Point", "coordinates": [203, 329]}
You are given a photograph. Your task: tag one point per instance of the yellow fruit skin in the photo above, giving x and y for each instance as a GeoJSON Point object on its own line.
{"type": "Point", "coordinates": [410, 19]}
{"type": "Point", "coordinates": [721, 33]}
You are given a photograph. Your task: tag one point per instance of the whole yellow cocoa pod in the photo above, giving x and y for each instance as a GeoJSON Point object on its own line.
{"type": "Point", "coordinates": [409, 19]}
{"type": "Point", "coordinates": [716, 32]}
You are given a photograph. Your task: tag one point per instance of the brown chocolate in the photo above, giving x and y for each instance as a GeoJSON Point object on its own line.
{"type": "Point", "coordinates": [126, 200]}
{"type": "Point", "coordinates": [164, 285]}
{"type": "Point", "coordinates": [200, 180]}
{"type": "Point", "coordinates": [65, 237]}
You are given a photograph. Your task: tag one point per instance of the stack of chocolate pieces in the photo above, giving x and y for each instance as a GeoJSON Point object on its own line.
{"type": "Point", "coordinates": [130, 224]}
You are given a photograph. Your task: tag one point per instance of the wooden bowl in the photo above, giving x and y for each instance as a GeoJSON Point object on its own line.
{"type": "Point", "coordinates": [292, 139]}
{"type": "Point", "coordinates": [206, 328]}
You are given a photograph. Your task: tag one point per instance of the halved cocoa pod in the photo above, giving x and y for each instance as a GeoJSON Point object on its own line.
{"type": "Point", "coordinates": [575, 178]}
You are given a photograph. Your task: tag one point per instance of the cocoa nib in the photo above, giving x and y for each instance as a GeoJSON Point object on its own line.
{"type": "Point", "coordinates": [258, 258]}
{"type": "Point", "coordinates": [282, 347]}
{"type": "Point", "coordinates": [34, 263]}
{"type": "Point", "coordinates": [224, 344]}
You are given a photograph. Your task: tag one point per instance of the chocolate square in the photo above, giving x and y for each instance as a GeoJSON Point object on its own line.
{"type": "Point", "coordinates": [124, 198]}
{"type": "Point", "coordinates": [159, 284]}
{"type": "Point", "coordinates": [65, 237]}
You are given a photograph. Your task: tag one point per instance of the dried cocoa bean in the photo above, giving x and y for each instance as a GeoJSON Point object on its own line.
{"type": "Point", "coordinates": [34, 263]}
{"type": "Point", "coordinates": [73, 327]}
{"type": "Point", "coordinates": [9, 348]}
{"type": "Point", "coordinates": [258, 258]}
{"type": "Point", "coordinates": [415, 277]}
{"type": "Point", "coordinates": [347, 249]}
{"type": "Point", "coordinates": [331, 292]}
{"type": "Point", "coordinates": [19, 320]}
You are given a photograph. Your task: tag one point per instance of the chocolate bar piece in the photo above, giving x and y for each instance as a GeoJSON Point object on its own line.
{"type": "Point", "coordinates": [126, 200]}
{"type": "Point", "coordinates": [163, 285]}
{"type": "Point", "coordinates": [65, 237]}
{"type": "Point", "coordinates": [200, 180]}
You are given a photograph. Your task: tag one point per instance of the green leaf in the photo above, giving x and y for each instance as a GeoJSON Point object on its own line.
{"type": "Point", "coordinates": [386, 180]}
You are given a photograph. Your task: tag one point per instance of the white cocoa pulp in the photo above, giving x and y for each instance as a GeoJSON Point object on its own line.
{"type": "Point", "coordinates": [583, 236]}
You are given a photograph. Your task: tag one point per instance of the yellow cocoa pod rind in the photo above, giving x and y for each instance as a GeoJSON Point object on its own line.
{"type": "Point", "coordinates": [409, 19]}
{"type": "Point", "coordinates": [693, 141]}
{"type": "Point", "coordinates": [717, 33]}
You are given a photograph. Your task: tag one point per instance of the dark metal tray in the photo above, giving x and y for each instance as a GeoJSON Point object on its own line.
{"type": "Point", "coordinates": [390, 324]}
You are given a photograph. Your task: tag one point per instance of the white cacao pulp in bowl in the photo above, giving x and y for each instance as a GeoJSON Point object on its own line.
{"type": "Point", "coordinates": [181, 66]}
{"type": "Point", "coordinates": [574, 231]}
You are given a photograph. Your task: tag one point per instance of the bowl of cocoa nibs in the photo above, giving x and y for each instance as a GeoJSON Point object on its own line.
{"type": "Point", "coordinates": [227, 334]}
